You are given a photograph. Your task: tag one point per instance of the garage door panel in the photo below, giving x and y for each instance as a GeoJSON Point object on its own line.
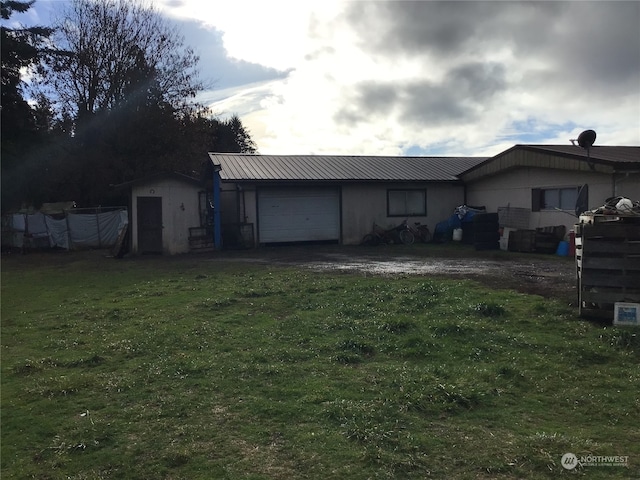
{"type": "Point", "coordinates": [299, 215]}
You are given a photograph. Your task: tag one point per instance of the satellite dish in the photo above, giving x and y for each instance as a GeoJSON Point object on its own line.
{"type": "Point", "coordinates": [586, 139]}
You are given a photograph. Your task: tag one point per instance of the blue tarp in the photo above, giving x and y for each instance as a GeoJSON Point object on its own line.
{"type": "Point", "coordinates": [462, 214]}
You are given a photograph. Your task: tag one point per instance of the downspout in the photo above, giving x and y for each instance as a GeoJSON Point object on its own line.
{"type": "Point", "coordinates": [238, 204]}
{"type": "Point", "coordinates": [217, 234]}
{"type": "Point", "coordinates": [244, 206]}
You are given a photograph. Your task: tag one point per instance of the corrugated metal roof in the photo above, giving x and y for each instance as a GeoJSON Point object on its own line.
{"type": "Point", "coordinates": [618, 158]}
{"type": "Point", "coordinates": [603, 153]}
{"type": "Point", "coordinates": [249, 167]}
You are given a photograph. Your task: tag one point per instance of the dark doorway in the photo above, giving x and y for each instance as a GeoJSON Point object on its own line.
{"type": "Point", "coordinates": [150, 225]}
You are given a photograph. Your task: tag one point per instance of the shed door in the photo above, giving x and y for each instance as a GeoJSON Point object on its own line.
{"type": "Point", "coordinates": [299, 215]}
{"type": "Point", "coordinates": [150, 224]}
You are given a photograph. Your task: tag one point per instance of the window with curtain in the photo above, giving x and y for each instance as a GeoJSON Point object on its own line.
{"type": "Point", "coordinates": [406, 203]}
{"type": "Point", "coordinates": [554, 198]}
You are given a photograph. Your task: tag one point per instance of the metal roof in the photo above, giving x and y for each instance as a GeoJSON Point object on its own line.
{"type": "Point", "coordinates": [608, 157]}
{"type": "Point", "coordinates": [250, 167]}
{"type": "Point", "coordinates": [602, 153]}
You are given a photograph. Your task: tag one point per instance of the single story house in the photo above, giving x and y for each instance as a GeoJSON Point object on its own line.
{"type": "Point", "coordinates": [544, 180]}
{"type": "Point", "coordinates": [267, 199]}
{"type": "Point", "coordinates": [303, 198]}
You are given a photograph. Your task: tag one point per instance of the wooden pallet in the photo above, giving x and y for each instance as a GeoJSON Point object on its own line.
{"type": "Point", "coordinates": [522, 241]}
{"type": "Point", "coordinates": [201, 240]}
{"type": "Point", "coordinates": [607, 266]}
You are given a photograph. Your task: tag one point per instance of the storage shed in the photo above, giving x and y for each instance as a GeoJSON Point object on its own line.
{"type": "Point", "coordinates": [168, 214]}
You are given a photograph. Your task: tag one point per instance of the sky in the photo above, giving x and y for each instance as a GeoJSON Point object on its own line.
{"type": "Point", "coordinates": [414, 78]}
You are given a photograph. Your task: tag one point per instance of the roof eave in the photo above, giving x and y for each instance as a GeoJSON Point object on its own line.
{"type": "Point", "coordinates": [159, 176]}
{"type": "Point", "coordinates": [335, 181]}
{"type": "Point", "coordinates": [615, 166]}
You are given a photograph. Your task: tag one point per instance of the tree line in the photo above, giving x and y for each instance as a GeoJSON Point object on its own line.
{"type": "Point", "coordinates": [109, 97]}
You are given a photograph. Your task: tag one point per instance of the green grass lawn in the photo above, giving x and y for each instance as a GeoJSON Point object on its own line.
{"type": "Point", "coordinates": [186, 368]}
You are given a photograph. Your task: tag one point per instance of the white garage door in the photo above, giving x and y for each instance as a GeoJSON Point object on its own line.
{"type": "Point", "coordinates": [298, 215]}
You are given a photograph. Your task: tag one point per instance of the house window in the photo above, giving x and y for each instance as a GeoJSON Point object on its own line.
{"type": "Point", "coordinates": [554, 198]}
{"type": "Point", "coordinates": [406, 203]}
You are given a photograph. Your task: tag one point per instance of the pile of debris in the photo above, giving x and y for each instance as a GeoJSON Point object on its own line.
{"type": "Point", "coordinates": [617, 206]}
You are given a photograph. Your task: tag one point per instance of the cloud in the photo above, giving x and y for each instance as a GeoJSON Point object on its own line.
{"type": "Point", "coordinates": [461, 96]}
{"type": "Point", "coordinates": [216, 66]}
{"type": "Point", "coordinates": [596, 42]}
{"type": "Point", "coordinates": [272, 34]}
{"type": "Point", "coordinates": [486, 68]}
{"type": "Point", "coordinates": [448, 28]}
{"type": "Point", "coordinates": [446, 78]}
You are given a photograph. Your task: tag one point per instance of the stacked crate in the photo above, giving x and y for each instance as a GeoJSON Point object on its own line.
{"type": "Point", "coordinates": [607, 264]}
{"type": "Point", "coordinates": [522, 241]}
{"type": "Point", "coordinates": [486, 233]}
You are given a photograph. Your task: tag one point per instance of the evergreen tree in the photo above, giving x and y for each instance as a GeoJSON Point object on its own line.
{"type": "Point", "coordinates": [232, 137]}
{"type": "Point", "coordinates": [21, 131]}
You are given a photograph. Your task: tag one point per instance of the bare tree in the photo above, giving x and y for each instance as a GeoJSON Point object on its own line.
{"type": "Point", "coordinates": [106, 42]}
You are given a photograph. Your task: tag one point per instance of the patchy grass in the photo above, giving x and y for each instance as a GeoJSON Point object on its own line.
{"type": "Point", "coordinates": [187, 368]}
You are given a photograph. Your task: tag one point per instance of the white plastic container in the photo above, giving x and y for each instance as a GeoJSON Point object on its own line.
{"type": "Point", "coordinates": [504, 239]}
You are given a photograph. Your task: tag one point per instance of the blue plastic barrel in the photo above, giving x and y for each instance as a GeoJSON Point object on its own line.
{"type": "Point", "coordinates": [563, 249]}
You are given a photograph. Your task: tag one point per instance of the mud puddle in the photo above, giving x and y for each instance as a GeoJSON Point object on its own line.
{"type": "Point", "coordinates": [404, 265]}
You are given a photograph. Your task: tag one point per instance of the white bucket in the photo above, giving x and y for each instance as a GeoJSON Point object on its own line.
{"type": "Point", "coordinates": [504, 239]}
{"type": "Point", "coordinates": [457, 234]}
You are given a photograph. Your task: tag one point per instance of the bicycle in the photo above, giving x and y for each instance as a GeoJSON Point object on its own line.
{"type": "Point", "coordinates": [399, 234]}
{"type": "Point", "coordinates": [420, 232]}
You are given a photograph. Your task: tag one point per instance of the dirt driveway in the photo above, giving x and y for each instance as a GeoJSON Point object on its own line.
{"type": "Point", "coordinates": [547, 275]}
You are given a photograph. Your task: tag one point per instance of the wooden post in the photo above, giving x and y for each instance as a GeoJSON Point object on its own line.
{"type": "Point", "coordinates": [217, 234]}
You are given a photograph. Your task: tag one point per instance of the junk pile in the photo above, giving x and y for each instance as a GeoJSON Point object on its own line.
{"type": "Point", "coordinates": [506, 229]}
{"type": "Point", "coordinates": [459, 226]}
{"type": "Point", "coordinates": [539, 240]}
{"type": "Point", "coordinates": [613, 206]}
{"type": "Point", "coordinates": [607, 246]}
{"type": "Point", "coordinates": [470, 225]}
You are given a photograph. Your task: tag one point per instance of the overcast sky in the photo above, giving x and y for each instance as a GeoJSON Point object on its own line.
{"type": "Point", "coordinates": [416, 78]}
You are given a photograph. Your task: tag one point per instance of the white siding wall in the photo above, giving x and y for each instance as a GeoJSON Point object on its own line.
{"type": "Point", "coordinates": [628, 185]}
{"type": "Point", "coordinates": [513, 188]}
{"type": "Point", "coordinates": [175, 220]}
{"type": "Point", "coordinates": [363, 204]}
